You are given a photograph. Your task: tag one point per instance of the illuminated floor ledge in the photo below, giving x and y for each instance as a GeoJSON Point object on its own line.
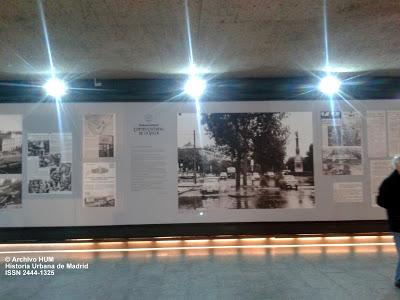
{"type": "Point", "coordinates": [171, 244]}
{"type": "Point", "coordinates": [228, 267]}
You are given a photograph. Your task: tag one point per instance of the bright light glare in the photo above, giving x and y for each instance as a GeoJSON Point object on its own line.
{"type": "Point", "coordinates": [55, 87]}
{"type": "Point", "coordinates": [329, 85]}
{"type": "Point", "coordinates": [195, 87]}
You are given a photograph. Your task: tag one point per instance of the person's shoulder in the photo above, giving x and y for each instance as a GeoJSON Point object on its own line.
{"type": "Point", "coordinates": [388, 180]}
{"type": "Point", "coordinates": [392, 178]}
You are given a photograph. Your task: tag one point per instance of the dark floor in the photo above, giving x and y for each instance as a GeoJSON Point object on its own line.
{"type": "Point", "coordinates": [354, 272]}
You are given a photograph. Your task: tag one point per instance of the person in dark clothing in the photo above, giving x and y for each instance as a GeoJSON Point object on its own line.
{"type": "Point", "coordinates": [389, 198]}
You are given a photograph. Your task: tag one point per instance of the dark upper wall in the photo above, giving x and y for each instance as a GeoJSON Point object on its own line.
{"type": "Point", "coordinates": [250, 89]}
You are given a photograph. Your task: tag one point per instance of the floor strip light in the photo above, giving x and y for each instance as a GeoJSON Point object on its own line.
{"type": "Point", "coordinates": [195, 248]}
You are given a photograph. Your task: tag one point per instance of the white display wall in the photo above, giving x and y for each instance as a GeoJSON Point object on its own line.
{"type": "Point", "coordinates": [143, 196]}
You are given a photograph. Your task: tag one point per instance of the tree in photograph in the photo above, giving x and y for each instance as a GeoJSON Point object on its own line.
{"type": "Point", "coordinates": [233, 133]}
{"type": "Point", "coordinates": [290, 164]}
{"type": "Point", "coordinates": [308, 162]}
{"type": "Point", "coordinates": [242, 135]}
{"type": "Point", "coordinates": [186, 159]}
{"type": "Point", "coordinates": [270, 137]}
{"type": "Point", "coordinates": [214, 167]}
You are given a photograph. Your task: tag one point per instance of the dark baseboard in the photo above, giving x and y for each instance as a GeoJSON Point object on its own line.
{"type": "Point", "coordinates": [58, 234]}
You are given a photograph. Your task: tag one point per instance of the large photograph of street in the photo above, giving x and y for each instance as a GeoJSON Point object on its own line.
{"type": "Point", "coordinates": [245, 161]}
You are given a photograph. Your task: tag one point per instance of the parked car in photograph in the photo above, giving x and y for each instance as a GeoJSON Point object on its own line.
{"type": "Point", "coordinates": [288, 182]}
{"type": "Point", "coordinates": [256, 176]}
{"type": "Point", "coordinates": [231, 171]}
{"type": "Point", "coordinates": [223, 176]}
{"type": "Point", "coordinates": [187, 176]}
{"type": "Point", "coordinates": [270, 174]}
{"type": "Point", "coordinates": [210, 186]}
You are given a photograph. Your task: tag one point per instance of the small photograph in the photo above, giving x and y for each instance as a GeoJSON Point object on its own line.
{"type": "Point", "coordinates": [334, 136]}
{"type": "Point", "coordinates": [352, 129]}
{"type": "Point", "coordinates": [342, 161]}
{"type": "Point", "coordinates": [10, 144]}
{"type": "Point", "coordinates": [245, 161]}
{"type": "Point", "coordinates": [60, 178]}
{"type": "Point", "coordinates": [99, 200]}
{"type": "Point", "coordinates": [38, 186]}
{"type": "Point", "coordinates": [10, 193]}
{"type": "Point", "coordinates": [98, 170]}
{"type": "Point", "coordinates": [38, 148]}
{"type": "Point", "coordinates": [59, 181]}
{"type": "Point", "coordinates": [106, 146]}
{"type": "Point", "coordinates": [50, 160]}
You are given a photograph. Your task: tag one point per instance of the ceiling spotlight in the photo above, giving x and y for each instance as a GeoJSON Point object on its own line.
{"type": "Point", "coordinates": [329, 85]}
{"type": "Point", "coordinates": [55, 87]}
{"type": "Point", "coordinates": [195, 86]}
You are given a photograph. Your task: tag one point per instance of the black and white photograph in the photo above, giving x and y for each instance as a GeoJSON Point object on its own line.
{"type": "Point", "coordinates": [49, 160]}
{"type": "Point", "coordinates": [49, 163]}
{"type": "Point", "coordinates": [245, 161]}
{"type": "Point", "coordinates": [342, 161]}
{"type": "Point", "coordinates": [10, 193]}
{"type": "Point", "coordinates": [106, 146]}
{"type": "Point", "coordinates": [38, 186]}
{"type": "Point", "coordinates": [99, 182]}
{"type": "Point", "coordinates": [10, 144]}
{"type": "Point", "coordinates": [60, 181]}
{"type": "Point", "coordinates": [334, 136]}
{"type": "Point", "coordinates": [99, 136]}
{"type": "Point", "coordinates": [60, 177]}
{"type": "Point", "coordinates": [341, 143]}
{"type": "Point", "coordinates": [38, 147]}
{"type": "Point", "coordinates": [99, 201]}
{"type": "Point", "coordinates": [351, 129]}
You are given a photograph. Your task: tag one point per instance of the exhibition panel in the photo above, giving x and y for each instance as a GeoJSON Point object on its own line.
{"type": "Point", "coordinates": [86, 164]}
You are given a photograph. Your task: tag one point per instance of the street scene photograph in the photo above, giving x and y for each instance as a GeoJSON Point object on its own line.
{"type": "Point", "coordinates": [99, 200]}
{"type": "Point", "coordinates": [10, 144]}
{"type": "Point", "coordinates": [10, 193]}
{"type": "Point", "coordinates": [245, 161]}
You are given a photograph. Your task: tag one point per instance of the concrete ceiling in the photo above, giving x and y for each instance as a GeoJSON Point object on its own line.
{"type": "Point", "coordinates": [233, 38]}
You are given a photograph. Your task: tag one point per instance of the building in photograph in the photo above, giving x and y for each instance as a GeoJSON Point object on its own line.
{"type": "Point", "coordinates": [10, 141]}
{"type": "Point", "coordinates": [202, 157]}
{"type": "Point", "coordinates": [106, 146]}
